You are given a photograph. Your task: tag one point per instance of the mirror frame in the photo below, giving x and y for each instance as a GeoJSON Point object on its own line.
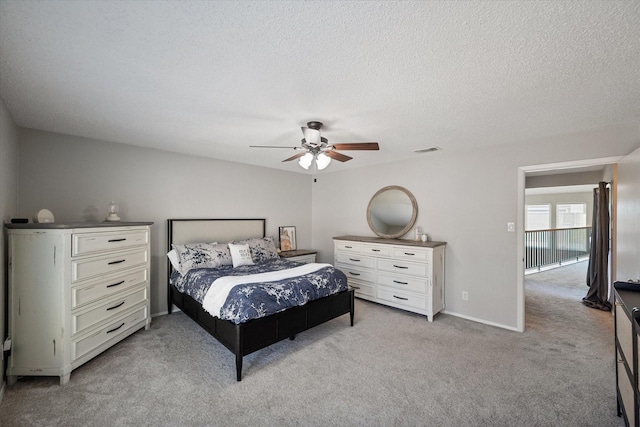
{"type": "Point", "coordinates": [412, 221]}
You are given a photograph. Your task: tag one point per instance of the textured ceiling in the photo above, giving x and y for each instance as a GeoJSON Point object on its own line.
{"type": "Point", "coordinates": [212, 78]}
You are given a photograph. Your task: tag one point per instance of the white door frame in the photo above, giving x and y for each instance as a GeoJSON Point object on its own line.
{"type": "Point", "coordinates": [522, 171]}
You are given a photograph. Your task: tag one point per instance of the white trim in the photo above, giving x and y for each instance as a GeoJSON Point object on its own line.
{"type": "Point", "coordinates": [474, 319]}
{"type": "Point", "coordinates": [520, 252]}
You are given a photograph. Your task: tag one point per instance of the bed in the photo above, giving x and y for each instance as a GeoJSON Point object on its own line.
{"type": "Point", "coordinates": [240, 335]}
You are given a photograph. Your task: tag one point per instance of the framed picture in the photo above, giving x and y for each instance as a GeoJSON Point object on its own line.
{"type": "Point", "coordinates": [288, 238]}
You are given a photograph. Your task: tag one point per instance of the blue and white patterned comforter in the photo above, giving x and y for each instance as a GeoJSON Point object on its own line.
{"type": "Point", "coordinates": [254, 300]}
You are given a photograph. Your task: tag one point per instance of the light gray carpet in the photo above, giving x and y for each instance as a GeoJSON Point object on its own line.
{"type": "Point", "coordinates": [391, 368]}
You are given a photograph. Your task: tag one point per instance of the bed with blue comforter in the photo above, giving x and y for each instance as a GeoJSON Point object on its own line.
{"type": "Point", "coordinates": [248, 307]}
{"type": "Point", "coordinates": [247, 301]}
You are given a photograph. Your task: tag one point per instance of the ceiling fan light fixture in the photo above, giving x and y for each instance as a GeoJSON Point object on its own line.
{"type": "Point", "coordinates": [305, 161]}
{"type": "Point", "coordinates": [312, 136]}
{"type": "Point", "coordinates": [322, 161]}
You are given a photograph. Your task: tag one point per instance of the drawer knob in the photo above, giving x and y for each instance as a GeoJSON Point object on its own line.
{"type": "Point", "coordinates": [404, 299]}
{"type": "Point", "coordinates": [116, 306]}
{"type": "Point", "coordinates": [354, 260]}
{"type": "Point", "coordinates": [375, 250]}
{"type": "Point", "coordinates": [116, 240]}
{"type": "Point", "coordinates": [115, 329]}
{"type": "Point", "coordinates": [400, 283]}
{"type": "Point", "coordinates": [355, 287]}
{"type": "Point", "coordinates": [400, 266]}
{"type": "Point", "coordinates": [115, 284]}
{"type": "Point", "coordinates": [409, 253]}
{"type": "Point", "coordinates": [354, 274]}
{"type": "Point", "coordinates": [117, 262]}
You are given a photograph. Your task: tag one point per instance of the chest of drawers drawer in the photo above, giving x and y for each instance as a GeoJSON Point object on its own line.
{"type": "Point", "coordinates": [376, 250]}
{"type": "Point", "coordinates": [362, 289]}
{"type": "Point", "coordinates": [111, 331]}
{"type": "Point", "coordinates": [82, 320]}
{"type": "Point", "coordinates": [356, 260]}
{"type": "Point", "coordinates": [86, 268]}
{"type": "Point", "coordinates": [403, 267]}
{"type": "Point", "coordinates": [106, 286]}
{"type": "Point", "coordinates": [410, 254]}
{"type": "Point", "coordinates": [402, 298]}
{"type": "Point", "coordinates": [406, 283]}
{"type": "Point", "coordinates": [88, 243]}
{"type": "Point", "coordinates": [355, 273]}
{"type": "Point", "coordinates": [349, 247]}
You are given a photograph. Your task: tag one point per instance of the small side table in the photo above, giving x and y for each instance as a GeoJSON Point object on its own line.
{"type": "Point", "coordinates": [300, 255]}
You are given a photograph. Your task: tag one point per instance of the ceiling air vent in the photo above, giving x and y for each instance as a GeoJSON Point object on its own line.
{"type": "Point", "coordinates": [428, 150]}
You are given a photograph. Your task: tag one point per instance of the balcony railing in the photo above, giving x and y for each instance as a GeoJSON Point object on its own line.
{"type": "Point", "coordinates": [556, 246]}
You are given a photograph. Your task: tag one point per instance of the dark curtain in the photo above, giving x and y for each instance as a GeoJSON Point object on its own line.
{"type": "Point", "coordinates": [597, 273]}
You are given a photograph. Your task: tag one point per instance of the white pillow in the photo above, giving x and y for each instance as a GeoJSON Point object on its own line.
{"type": "Point", "coordinates": [240, 255]}
{"type": "Point", "coordinates": [174, 257]}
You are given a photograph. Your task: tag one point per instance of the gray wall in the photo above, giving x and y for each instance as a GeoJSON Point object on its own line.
{"type": "Point", "coordinates": [8, 197]}
{"type": "Point", "coordinates": [628, 218]}
{"type": "Point", "coordinates": [465, 199]}
{"type": "Point", "coordinates": [76, 178]}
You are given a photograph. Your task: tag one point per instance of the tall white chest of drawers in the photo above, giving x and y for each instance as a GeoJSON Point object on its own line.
{"type": "Point", "coordinates": [74, 291]}
{"type": "Point", "coordinates": [404, 274]}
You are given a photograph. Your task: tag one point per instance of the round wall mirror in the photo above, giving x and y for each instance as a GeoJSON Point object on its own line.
{"type": "Point", "coordinates": [392, 212]}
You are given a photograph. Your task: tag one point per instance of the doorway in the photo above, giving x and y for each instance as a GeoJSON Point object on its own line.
{"type": "Point", "coordinates": [549, 170]}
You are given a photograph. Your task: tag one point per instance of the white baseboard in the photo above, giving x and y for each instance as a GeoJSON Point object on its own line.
{"type": "Point", "coordinates": [473, 319]}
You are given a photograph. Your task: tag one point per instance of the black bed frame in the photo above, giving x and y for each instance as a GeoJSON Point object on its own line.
{"type": "Point", "coordinates": [246, 338]}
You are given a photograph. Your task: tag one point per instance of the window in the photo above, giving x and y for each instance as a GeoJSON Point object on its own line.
{"type": "Point", "coordinates": [571, 215]}
{"type": "Point", "coordinates": [538, 217]}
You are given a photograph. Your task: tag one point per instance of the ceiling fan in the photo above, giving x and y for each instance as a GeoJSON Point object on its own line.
{"type": "Point", "coordinates": [316, 147]}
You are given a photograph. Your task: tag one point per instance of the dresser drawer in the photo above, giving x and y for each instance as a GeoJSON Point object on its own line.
{"type": "Point", "coordinates": [84, 345]}
{"type": "Point", "coordinates": [624, 334]}
{"type": "Point", "coordinates": [349, 247]}
{"type": "Point", "coordinates": [96, 266]}
{"type": "Point", "coordinates": [377, 250]}
{"type": "Point", "coordinates": [106, 286]}
{"type": "Point", "coordinates": [413, 284]}
{"type": "Point", "coordinates": [362, 289]}
{"type": "Point", "coordinates": [356, 260]}
{"type": "Point", "coordinates": [626, 392]}
{"type": "Point", "coordinates": [87, 243]}
{"type": "Point", "coordinates": [83, 320]}
{"type": "Point", "coordinates": [355, 273]}
{"type": "Point", "coordinates": [410, 253]}
{"type": "Point", "coordinates": [402, 298]}
{"type": "Point", "coordinates": [403, 267]}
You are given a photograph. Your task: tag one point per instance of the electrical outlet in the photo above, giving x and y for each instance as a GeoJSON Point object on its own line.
{"type": "Point", "coordinates": [511, 227]}
{"type": "Point", "coordinates": [465, 296]}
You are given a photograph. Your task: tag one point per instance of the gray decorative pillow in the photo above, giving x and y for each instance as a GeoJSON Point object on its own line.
{"type": "Point", "coordinates": [262, 248]}
{"type": "Point", "coordinates": [222, 255]}
{"type": "Point", "coordinates": [196, 255]}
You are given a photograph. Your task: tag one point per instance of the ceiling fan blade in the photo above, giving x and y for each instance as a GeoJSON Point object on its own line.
{"type": "Point", "coordinates": [294, 157]}
{"type": "Point", "coordinates": [357, 146]}
{"type": "Point", "coordinates": [337, 156]}
{"type": "Point", "coordinates": [273, 146]}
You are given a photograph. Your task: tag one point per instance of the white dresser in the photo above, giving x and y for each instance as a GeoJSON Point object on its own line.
{"type": "Point", "coordinates": [74, 291]}
{"type": "Point", "coordinates": [627, 346]}
{"type": "Point", "coordinates": [404, 274]}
